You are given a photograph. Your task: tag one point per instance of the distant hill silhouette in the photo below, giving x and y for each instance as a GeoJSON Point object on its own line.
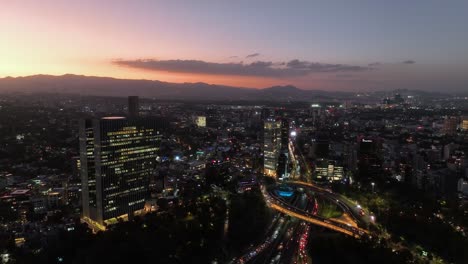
{"type": "Point", "coordinates": [105, 86]}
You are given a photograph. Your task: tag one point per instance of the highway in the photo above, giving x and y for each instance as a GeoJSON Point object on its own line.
{"type": "Point", "coordinates": [288, 244]}
{"type": "Point", "coordinates": [353, 224]}
{"type": "Point", "coordinates": [279, 204]}
{"type": "Point", "coordinates": [286, 238]}
{"type": "Point", "coordinates": [276, 228]}
{"type": "Point", "coordinates": [294, 249]}
{"type": "Point", "coordinates": [353, 210]}
{"type": "Point", "coordinates": [282, 238]}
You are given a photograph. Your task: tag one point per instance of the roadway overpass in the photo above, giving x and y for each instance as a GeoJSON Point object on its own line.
{"type": "Point", "coordinates": [277, 203]}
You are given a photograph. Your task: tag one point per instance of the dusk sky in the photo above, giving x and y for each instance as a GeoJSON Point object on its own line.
{"type": "Point", "coordinates": [329, 45]}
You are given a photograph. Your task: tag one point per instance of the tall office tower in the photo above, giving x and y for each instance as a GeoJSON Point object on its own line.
{"type": "Point", "coordinates": [350, 156]}
{"type": "Point", "coordinates": [283, 159]}
{"type": "Point", "coordinates": [117, 157]}
{"type": "Point", "coordinates": [315, 112]}
{"type": "Point", "coordinates": [265, 114]}
{"type": "Point", "coordinates": [464, 123]}
{"type": "Point", "coordinates": [271, 146]}
{"type": "Point", "coordinates": [450, 125]}
{"type": "Point", "coordinates": [282, 168]}
{"type": "Point", "coordinates": [284, 134]}
{"type": "Point", "coordinates": [133, 106]}
{"type": "Point", "coordinates": [369, 158]}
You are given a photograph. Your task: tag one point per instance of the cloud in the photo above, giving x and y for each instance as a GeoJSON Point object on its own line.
{"type": "Point", "coordinates": [377, 64]}
{"type": "Point", "coordinates": [231, 57]}
{"type": "Point", "coordinates": [374, 64]}
{"type": "Point", "coordinates": [252, 55]}
{"type": "Point", "coordinates": [322, 67]}
{"type": "Point", "coordinates": [258, 68]}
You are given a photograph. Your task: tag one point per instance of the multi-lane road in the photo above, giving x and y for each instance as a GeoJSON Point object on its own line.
{"type": "Point", "coordinates": [355, 221]}
{"type": "Point", "coordinates": [282, 238]}
{"type": "Point", "coordinates": [346, 227]}
{"type": "Point", "coordinates": [287, 236]}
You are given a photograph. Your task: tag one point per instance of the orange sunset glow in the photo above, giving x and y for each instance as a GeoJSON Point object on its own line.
{"type": "Point", "coordinates": [87, 37]}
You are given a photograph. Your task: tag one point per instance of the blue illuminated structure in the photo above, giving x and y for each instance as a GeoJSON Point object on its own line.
{"type": "Point", "coordinates": [285, 191]}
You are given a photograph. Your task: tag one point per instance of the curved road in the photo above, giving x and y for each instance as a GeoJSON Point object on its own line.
{"type": "Point", "coordinates": [348, 228]}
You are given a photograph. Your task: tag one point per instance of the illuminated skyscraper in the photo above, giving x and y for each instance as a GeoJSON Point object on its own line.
{"type": "Point", "coordinates": [133, 106]}
{"type": "Point", "coordinates": [201, 121]}
{"type": "Point", "coordinates": [464, 123]}
{"type": "Point", "coordinates": [271, 147]}
{"type": "Point", "coordinates": [117, 155]}
{"type": "Point", "coordinates": [283, 159]}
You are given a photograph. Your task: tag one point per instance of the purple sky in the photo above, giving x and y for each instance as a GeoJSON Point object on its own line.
{"type": "Point", "coordinates": [336, 45]}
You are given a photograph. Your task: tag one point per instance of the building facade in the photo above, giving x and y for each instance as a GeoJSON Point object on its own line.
{"type": "Point", "coordinates": [464, 123]}
{"type": "Point", "coordinates": [117, 156]}
{"type": "Point", "coordinates": [271, 146]}
{"type": "Point", "coordinates": [201, 121]}
{"type": "Point", "coordinates": [450, 125]}
{"type": "Point", "coordinates": [282, 170]}
{"type": "Point", "coordinates": [328, 170]}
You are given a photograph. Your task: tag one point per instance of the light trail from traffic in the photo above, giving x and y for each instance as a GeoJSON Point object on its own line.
{"type": "Point", "coordinates": [313, 220]}
{"type": "Point", "coordinates": [278, 204]}
{"type": "Point", "coordinates": [341, 201]}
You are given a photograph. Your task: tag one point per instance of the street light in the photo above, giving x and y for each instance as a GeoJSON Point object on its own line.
{"type": "Point", "coordinates": [373, 184]}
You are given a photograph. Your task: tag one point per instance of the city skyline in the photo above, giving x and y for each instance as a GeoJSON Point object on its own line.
{"type": "Point", "coordinates": [236, 132]}
{"type": "Point", "coordinates": [370, 45]}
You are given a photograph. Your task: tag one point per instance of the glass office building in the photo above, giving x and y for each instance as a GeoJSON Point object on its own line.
{"type": "Point", "coordinates": [118, 156]}
{"type": "Point", "coordinates": [271, 147]}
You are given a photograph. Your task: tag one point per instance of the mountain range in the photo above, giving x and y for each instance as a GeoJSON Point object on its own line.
{"type": "Point", "coordinates": [105, 86]}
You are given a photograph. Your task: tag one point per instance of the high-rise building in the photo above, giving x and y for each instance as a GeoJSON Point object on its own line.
{"type": "Point", "coordinates": [284, 134]}
{"type": "Point", "coordinates": [201, 121]}
{"type": "Point", "coordinates": [350, 156]}
{"type": "Point", "coordinates": [464, 123]}
{"type": "Point", "coordinates": [272, 146]}
{"type": "Point", "coordinates": [133, 106]}
{"type": "Point", "coordinates": [450, 125]}
{"type": "Point", "coordinates": [328, 170]}
{"type": "Point", "coordinates": [449, 149]}
{"type": "Point", "coordinates": [117, 157]}
{"type": "Point", "coordinates": [283, 159]}
{"type": "Point", "coordinates": [282, 168]}
{"type": "Point", "coordinates": [369, 158]}
{"type": "Point", "coordinates": [276, 151]}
